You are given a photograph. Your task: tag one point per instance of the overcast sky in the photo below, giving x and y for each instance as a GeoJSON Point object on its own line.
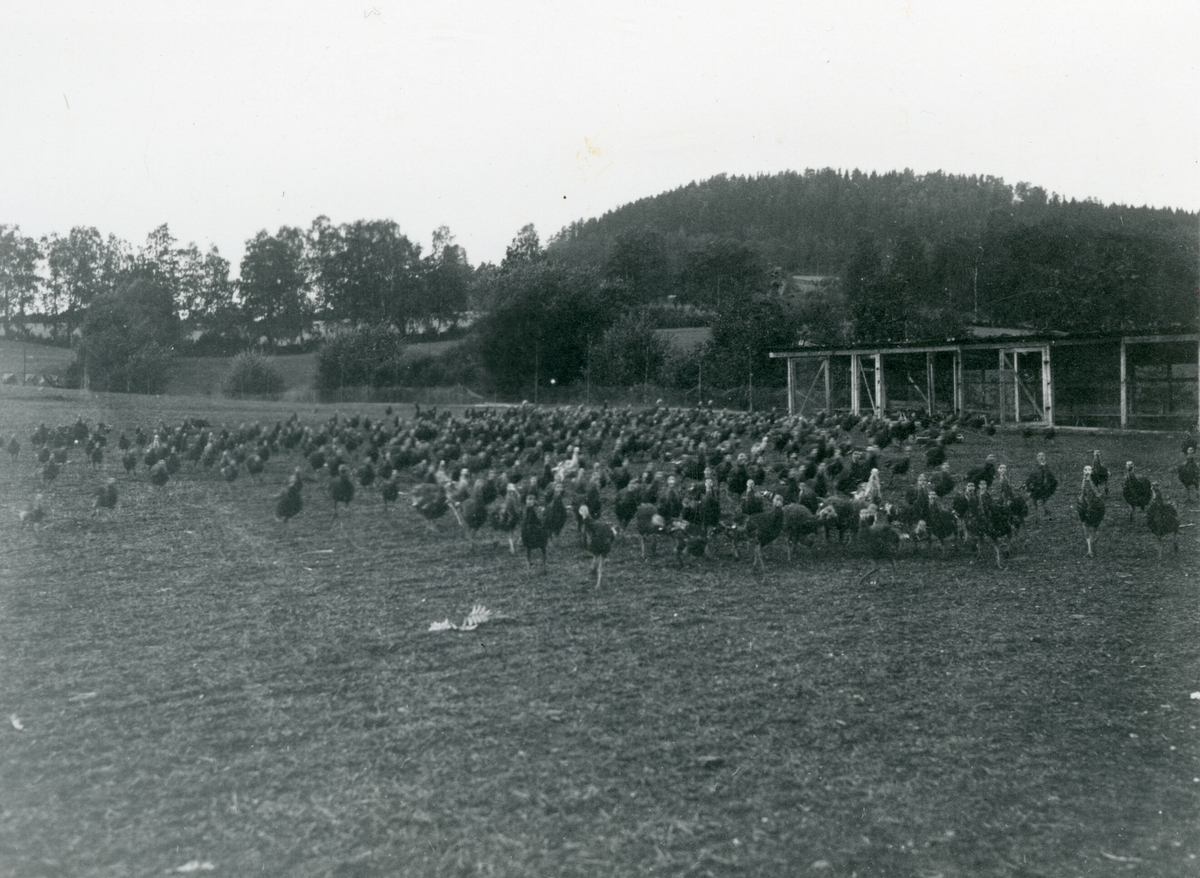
{"type": "Point", "coordinates": [224, 118]}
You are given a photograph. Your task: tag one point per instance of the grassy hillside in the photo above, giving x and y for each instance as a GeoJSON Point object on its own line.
{"type": "Point", "coordinates": [201, 376]}
{"type": "Point", "coordinates": [686, 338]}
{"type": "Point", "coordinates": [33, 359]}
{"type": "Point", "coordinates": [190, 376]}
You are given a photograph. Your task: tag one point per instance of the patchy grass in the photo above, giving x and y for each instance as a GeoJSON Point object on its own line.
{"type": "Point", "coordinates": [199, 682]}
{"type": "Point", "coordinates": [202, 376]}
{"type": "Point", "coordinates": [35, 359]}
{"type": "Point", "coordinates": [686, 338]}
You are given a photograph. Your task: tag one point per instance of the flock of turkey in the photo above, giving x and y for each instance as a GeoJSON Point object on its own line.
{"type": "Point", "coordinates": [703, 481]}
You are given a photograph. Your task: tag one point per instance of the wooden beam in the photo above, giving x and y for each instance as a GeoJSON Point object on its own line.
{"type": "Point", "coordinates": [1047, 387]}
{"type": "Point", "coordinates": [958, 389]}
{"type": "Point", "coordinates": [1016, 363]}
{"type": "Point", "coordinates": [929, 382]}
{"type": "Point", "coordinates": [879, 388]}
{"type": "Point", "coordinates": [854, 379]}
{"type": "Point", "coordinates": [1124, 388]}
{"type": "Point", "coordinates": [791, 386]}
{"type": "Point", "coordinates": [1000, 386]}
{"type": "Point", "coordinates": [828, 387]}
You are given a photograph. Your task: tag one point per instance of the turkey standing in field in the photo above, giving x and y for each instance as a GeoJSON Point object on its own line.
{"type": "Point", "coordinates": [289, 501]}
{"type": "Point", "coordinates": [533, 534]}
{"type": "Point", "coordinates": [995, 519]}
{"type": "Point", "coordinates": [1136, 490]}
{"type": "Point", "coordinates": [625, 506]}
{"type": "Point", "coordinates": [940, 522]}
{"type": "Point", "coordinates": [389, 489]}
{"type": "Point", "coordinates": [984, 473]}
{"type": "Point", "coordinates": [752, 500]}
{"type": "Point", "coordinates": [474, 512]}
{"type": "Point", "coordinates": [129, 460]}
{"type": "Point", "coordinates": [255, 465]}
{"type": "Point", "coordinates": [106, 497]}
{"type": "Point", "coordinates": [1041, 484]}
{"type": "Point", "coordinates": [1189, 473]}
{"type": "Point", "coordinates": [505, 515]}
{"type": "Point", "coordinates": [648, 522]}
{"type": "Point", "coordinates": [799, 523]}
{"type": "Point", "coordinates": [598, 539]}
{"type": "Point", "coordinates": [670, 504]}
{"type": "Point", "coordinates": [341, 488]}
{"type": "Point", "coordinates": [1099, 473]}
{"type": "Point", "coordinates": [13, 447]}
{"type": "Point", "coordinates": [942, 481]}
{"type": "Point", "coordinates": [764, 528]}
{"type": "Point", "coordinates": [556, 512]}
{"type": "Point", "coordinates": [690, 539]}
{"type": "Point", "coordinates": [1162, 519]}
{"type": "Point", "coordinates": [1013, 503]}
{"type": "Point", "coordinates": [229, 467]}
{"type": "Point", "coordinates": [1091, 508]}
{"type": "Point", "coordinates": [709, 510]}
{"type": "Point", "coordinates": [878, 537]}
{"type": "Point", "coordinates": [430, 501]}
{"type": "Point", "coordinates": [159, 475]}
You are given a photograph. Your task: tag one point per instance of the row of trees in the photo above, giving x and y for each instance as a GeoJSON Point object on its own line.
{"type": "Point", "coordinates": [900, 257]}
{"type": "Point", "coordinates": [549, 319]}
{"type": "Point", "coordinates": [362, 271]}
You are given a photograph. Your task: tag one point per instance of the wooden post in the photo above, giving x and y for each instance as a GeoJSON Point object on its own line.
{"type": "Point", "coordinates": [828, 387]}
{"type": "Point", "coordinates": [1016, 365]}
{"type": "Point", "coordinates": [958, 390]}
{"type": "Point", "coordinates": [929, 382]}
{"type": "Point", "coordinates": [854, 377]}
{"type": "Point", "coordinates": [1124, 387]}
{"type": "Point", "coordinates": [791, 385]}
{"type": "Point", "coordinates": [1000, 386]}
{"type": "Point", "coordinates": [1047, 387]}
{"type": "Point", "coordinates": [879, 388]}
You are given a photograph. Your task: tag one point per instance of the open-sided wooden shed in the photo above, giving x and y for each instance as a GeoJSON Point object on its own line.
{"type": "Point", "coordinates": [1135, 381]}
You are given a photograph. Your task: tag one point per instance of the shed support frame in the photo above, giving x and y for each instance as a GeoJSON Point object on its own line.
{"type": "Point", "coordinates": [1126, 397]}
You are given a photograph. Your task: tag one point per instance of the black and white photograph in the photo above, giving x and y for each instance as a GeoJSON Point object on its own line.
{"type": "Point", "coordinates": [557, 439]}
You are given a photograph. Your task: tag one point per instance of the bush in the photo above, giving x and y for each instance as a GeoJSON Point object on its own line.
{"type": "Point", "coordinates": [369, 355]}
{"type": "Point", "coordinates": [630, 352]}
{"type": "Point", "coordinates": [251, 374]}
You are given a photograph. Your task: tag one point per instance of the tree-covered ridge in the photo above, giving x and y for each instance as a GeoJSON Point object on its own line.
{"type": "Point", "coordinates": [940, 248]}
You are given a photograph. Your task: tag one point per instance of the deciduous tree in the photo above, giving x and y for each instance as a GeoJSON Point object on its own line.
{"type": "Point", "coordinates": [541, 319]}
{"type": "Point", "coordinates": [19, 257]}
{"type": "Point", "coordinates": [81, 267]}
{"type": "Point", "coordinates": [127, 338]}
{"type": "Point", "coordinates": [273, 286]}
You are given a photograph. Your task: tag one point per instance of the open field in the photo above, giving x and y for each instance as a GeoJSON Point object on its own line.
{"type": "Point", "coordinates": [190, 376]}
{"type": "Point", "coordinates": [196, 684]}
{"type": "Point", "coordinates": [33, 359]}
{"type": "Point", "coordinates": [686, 338]}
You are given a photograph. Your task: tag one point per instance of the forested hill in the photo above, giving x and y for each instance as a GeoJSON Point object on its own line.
{"type": "Point", "coordinates": [975, 246]}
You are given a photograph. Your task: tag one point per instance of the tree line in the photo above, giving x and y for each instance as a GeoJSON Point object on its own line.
{"type": "Point", "coordinates": [768, 263]}
{"type": "Point", "coordinates": [910, 256]}
{"type": "Point", "coordinates": [361, 271]}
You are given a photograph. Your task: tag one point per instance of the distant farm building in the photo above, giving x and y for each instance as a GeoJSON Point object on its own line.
{"type": "Point", "coordinates": [1130, 381]}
